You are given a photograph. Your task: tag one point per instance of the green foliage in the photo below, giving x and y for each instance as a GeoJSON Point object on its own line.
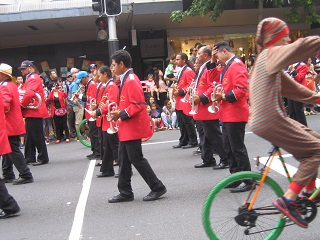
{"type": "Point", "coordinates": [214, 8]}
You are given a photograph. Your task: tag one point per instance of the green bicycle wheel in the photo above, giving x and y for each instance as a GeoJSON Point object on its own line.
{"type": "Point", "coordinates": [84, 140]}
{"type": "Point", "coordinates": [225, 216]}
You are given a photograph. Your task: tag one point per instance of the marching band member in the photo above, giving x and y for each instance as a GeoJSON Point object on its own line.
{"type": "Point", "coordinates": [109, 94]}
{"type": "Point", "coordinates": [35, 139]}
{"type": "Point", "coordinates": [188, 138]}
{"type": "Point", "coordinates": [15, 127]}
{"type": "Point", "coordinates": [8, 204]}
{"type": "Point", "coordinates": [209, 122]}
{"type": "Point", "coordinates": [234, 111]}
{"type": "Point", "coordinates": [134, 125]}
{"type": "Point", "coordinates": [90, 100]}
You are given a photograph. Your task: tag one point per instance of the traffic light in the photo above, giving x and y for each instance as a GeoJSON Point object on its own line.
{"type": "Point", "coordinates": [102, 33]}
{"type": "Point", "coordinates": [98, 6]}
{"type": "Point", "coordinates": [113, 7]}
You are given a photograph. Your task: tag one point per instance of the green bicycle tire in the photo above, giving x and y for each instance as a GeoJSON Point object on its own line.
{"type": "Point", "coordinates": [222, 184]}
{"type": "Point", "coordinates": [79, 136]}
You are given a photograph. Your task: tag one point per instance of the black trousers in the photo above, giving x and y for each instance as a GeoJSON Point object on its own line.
{"type": "Point", "coordinates": [200, 133]}
{"type": "Point", "coordinates": [100, 140]}
{"type": "Point", "coordinates": [187, 129]}
{"type": "Point", "coordinates": [295, 111]}
{"type": "Point", "coordinates": [110, 152]}
{"type": "Point", "coordinates": [35, 141]}
{"type": "Point", "coordinates": [15, 158]}
{"type": "Point", "coordinates": [71, 116]}
{"type": "Point", "coordinates": [212, 141]}
{"type": "Point", "coordinates": [94, 138]}
{"type": "Point", "coordinates": [61, 125]}
{"type": "Point", "coordinates": [130, 152]}
{"type": "Point", "coordinates": [7, 203]}
{"type": "Point", "coordinates": [233, 142]}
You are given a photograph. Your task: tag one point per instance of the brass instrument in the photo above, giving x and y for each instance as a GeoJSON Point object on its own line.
{"type": "Point", "coordinates": [111, 129]}
{"type": "Point", "coordinates": [31, 105]}
{"type": "Point", "coordinates": [189, 92]}
{"type": "Point", "coordinates": [92, 102]}
{"type": "Point", "coordinates": [74, 97]}
{"type": "Point", "coordinates": [194, 108]}
{"type": "Point", "coordinates": [214, 108]}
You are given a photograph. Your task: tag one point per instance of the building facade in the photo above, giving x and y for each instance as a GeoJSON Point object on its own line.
{"type": "Point", "coordinates": [61, 33]}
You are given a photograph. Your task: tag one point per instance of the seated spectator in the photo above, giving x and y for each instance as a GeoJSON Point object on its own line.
{"type": "Point", "coordinates": [151, 100]}
{"type": "Point", "coordinates": [156, 117]}
{"type": "Point", "coordinates": [169, 116]}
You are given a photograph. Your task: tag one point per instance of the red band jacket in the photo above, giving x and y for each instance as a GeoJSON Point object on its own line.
{"type": "Point", "coordinates": [183, 83]}
{"type": "Point", "coordinates": [235, 86]}
{"type": "Point", "coordinates": [15, 125]}
{"type": "Point", "coordinates": [5, 145]}
{"type": "Point", "coordinates": [33, 85]}
{"type": "Point", "coordinates": [204, 90]}
{"type": "Point", "coordinates": [135, 122]}
{"type": "Point", "coordinates": [90, 94]}
{"type": "Point", "coordinates": [111, 94]}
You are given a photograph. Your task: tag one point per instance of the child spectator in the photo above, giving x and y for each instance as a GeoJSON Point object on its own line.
{"type": "Point", "coordinates": [168, 115]}
{"type": "Point", "coordinates": [162, 88]}
{"type": "Point", "coordinates": [156, 117]}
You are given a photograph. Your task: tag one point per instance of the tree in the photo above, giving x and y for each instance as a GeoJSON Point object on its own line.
{"type": "Point", "coordinates": [215, 8]}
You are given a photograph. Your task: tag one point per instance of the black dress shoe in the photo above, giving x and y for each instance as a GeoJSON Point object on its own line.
{"type": "Point", "coordinates": [8, 180]}
{"type": "Point", "coordinates": [121, 198]}
{"type": "Point", "coordinates": [90, 155]}
{"type": "Point", "coordinates": [204, 164]}
{"type": "Point", "coordinates": [39, 163]}
{"type": "Point", "coordinates": [4, 215]}
{"type": "Point", "coordinates": [154, 195]}
{"type": "Point", "coordinates": [22, 181]}
{"type": "Point", "coordinates": [189, 146]}
{"type": "Point", "coordinates": [93, 157]}
{"type": "Point", "coordinates": [243, 187]}
{"type": "Point", "coordinates": [178, 146]}
{"type": "Point", "coordinates": [221, 166]}
{"type": "Point", "coordinates": [233, 184]}
{"type": "Point", "coordinates": [100, 175]}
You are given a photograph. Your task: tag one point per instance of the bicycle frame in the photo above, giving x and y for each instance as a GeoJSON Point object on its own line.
{"type": "Point", "coordinates": [274, 152]}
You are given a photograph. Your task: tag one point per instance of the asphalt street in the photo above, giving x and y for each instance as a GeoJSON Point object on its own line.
{"type": "Point", "coordinates": [68, 201]}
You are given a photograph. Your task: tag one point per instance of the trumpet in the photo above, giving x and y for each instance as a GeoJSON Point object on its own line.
{"type": "Point", "coordinates": [214, 108]}
{"type": "Point", "coordinates": [92, 102]}
{"type": "Point", "coordinates": [74, 97]}
{"type": "Point", "coordinates": [194, 108]}
{"type": "Point", "coordinates": [111, 129]}
{"type": "Point", "coordinates": [188, 95]}
{"type": "Point", "coordinates": [31, 105]}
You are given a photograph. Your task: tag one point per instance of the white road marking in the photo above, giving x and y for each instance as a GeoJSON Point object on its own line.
{"type": "Point", "coordinates": [277, 166]}
{"type": "Point", "coordinates": [75, 233]}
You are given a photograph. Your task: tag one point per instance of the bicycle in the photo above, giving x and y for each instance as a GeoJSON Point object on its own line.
{"type": "Point", "coordinates": [251, 214]}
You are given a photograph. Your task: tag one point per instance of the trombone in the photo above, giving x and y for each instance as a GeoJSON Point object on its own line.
{"type": "Point", "coordinates": [111, 129]}
{"type": "Point", "coordinates": [214, 108]}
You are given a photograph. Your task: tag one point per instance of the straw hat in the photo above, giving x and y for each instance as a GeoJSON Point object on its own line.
{"type": "Point", "coordinates": [6, 69]}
